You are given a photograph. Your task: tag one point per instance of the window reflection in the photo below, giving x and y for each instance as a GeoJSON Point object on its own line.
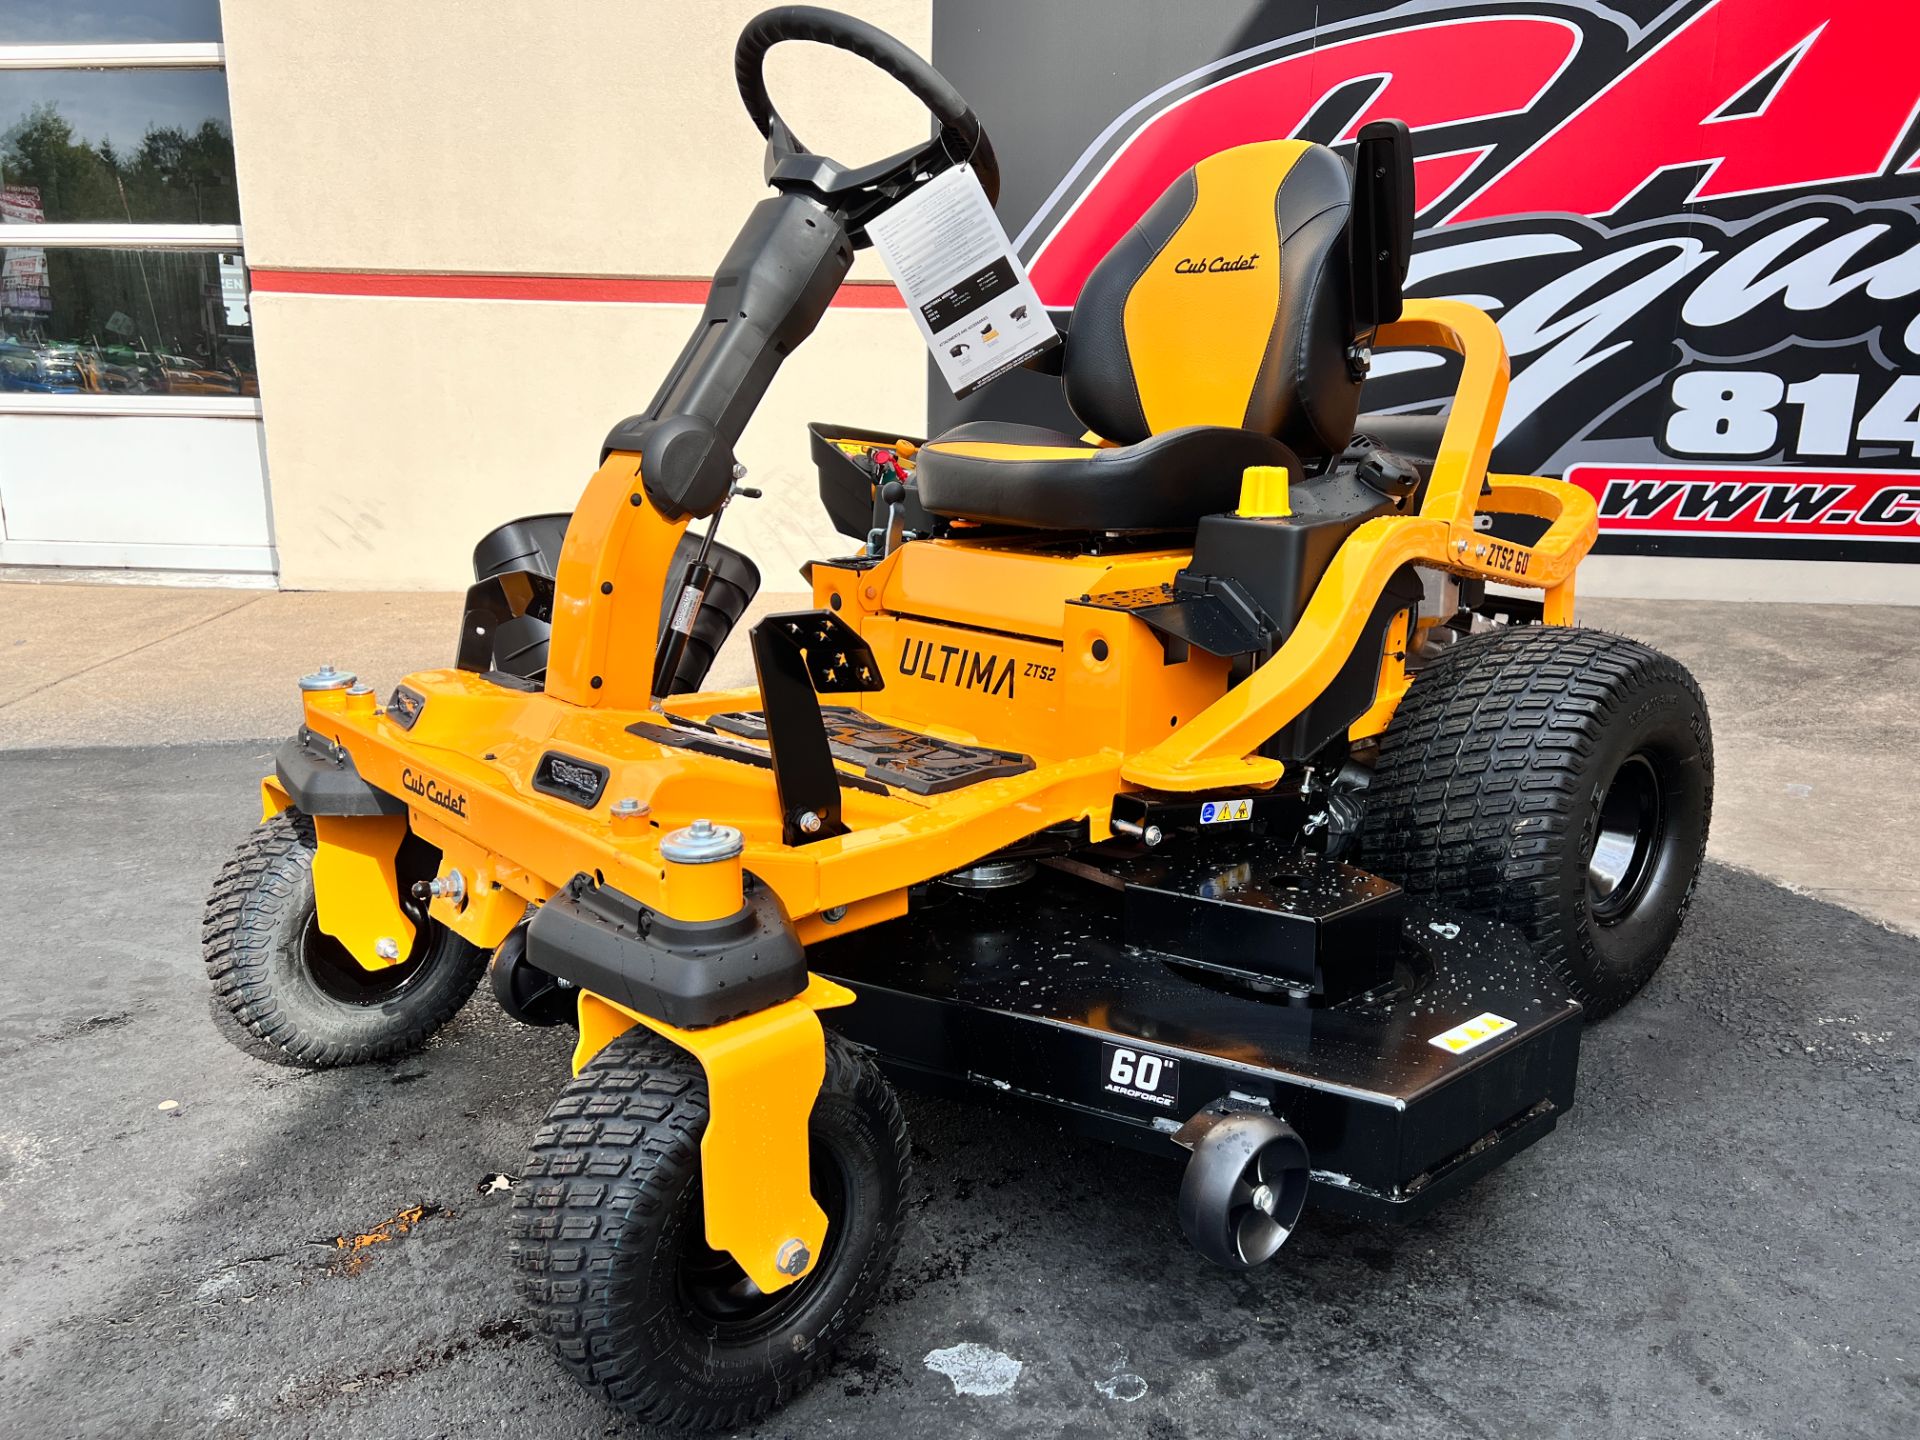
{"type": "Point", "coordinates": [120, 146]}
{"type": "Point", "coordinates": [107, 22]}
{"type": "Point", "coordinates": [124, 322]}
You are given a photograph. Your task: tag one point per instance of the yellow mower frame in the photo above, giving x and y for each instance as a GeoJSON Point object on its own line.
{"type": "Point", "coordinates": [1099, 729]}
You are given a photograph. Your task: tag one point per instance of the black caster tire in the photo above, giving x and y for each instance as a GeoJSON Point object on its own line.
{"type": "Point", "coordinates": [290, 985]}
{"type": "Point", "coordinates": [1557, 779]}
{"type": "Point", "coordinates": [611, 1257]}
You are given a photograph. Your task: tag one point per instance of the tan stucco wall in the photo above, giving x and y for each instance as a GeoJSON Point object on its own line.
{"type": "Point", "coordinates": [400, 431]}
{"type": "Point", "coordinates": [488, 136]}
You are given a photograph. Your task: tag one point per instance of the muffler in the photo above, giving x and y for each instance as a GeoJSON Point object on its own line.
{"type": "Point", "coordinates": [1245, 1186]}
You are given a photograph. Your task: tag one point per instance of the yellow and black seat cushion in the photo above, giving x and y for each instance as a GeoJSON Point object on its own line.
{"type": "Point", "coordinates": [1026, 475]}
{"type": "Point", "coordinates": [1214, 335]}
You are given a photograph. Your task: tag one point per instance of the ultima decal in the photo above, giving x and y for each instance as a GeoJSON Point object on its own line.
{"type": "Point", "coordinates": [434, 792]}
{"type": "Point", "coordinates": [957, 665]}
{"type": "Point", "coordinates": [1697, 223]}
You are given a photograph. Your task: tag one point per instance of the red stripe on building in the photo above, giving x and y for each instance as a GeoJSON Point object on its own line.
{"type": "Point", "coordinates": [858, 295]}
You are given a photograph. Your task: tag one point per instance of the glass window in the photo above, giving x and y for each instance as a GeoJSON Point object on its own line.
{"type": "Point", "coordinates": [107, 22]}
{"type": "Point", "coordinates": [124, 322]}
{"type": "Point", "coordinates": [118, 147]}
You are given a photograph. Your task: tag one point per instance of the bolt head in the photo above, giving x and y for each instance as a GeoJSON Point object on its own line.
{"type": "Point", "coordinates": [739, 471]}
{"type": "Point", "coordinates": [1152, 836]}
{"type": "Point", "coordinates": [700, 843]}
{"type": "Point", "coordinates": [387, 948]}
{"type": "Point", "coordinates": [810, 822]}
{"type": "Point", "coordinates": [629, 806]}
{"type": "Point", "coordinates": [1265, 1199]}
{"type": "Point", "coordinates": [792, 1257]}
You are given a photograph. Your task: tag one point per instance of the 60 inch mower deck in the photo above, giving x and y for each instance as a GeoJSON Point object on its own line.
{"type": "Point", "coordinates": [1033, 991]}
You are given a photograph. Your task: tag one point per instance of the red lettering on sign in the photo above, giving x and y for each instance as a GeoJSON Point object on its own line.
{"type": "Point", "coordinates": [1418, 71]}
{"type": "Point", "coordinates": [1753, 502]}
{"type": "Point", "coordinates": [1836, 114]}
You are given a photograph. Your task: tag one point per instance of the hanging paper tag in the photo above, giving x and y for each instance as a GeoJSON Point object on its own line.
{"type": "Point", "coordinates": [970, 295]}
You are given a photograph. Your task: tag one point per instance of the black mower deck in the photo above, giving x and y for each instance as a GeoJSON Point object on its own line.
{"type": "Point", "coordinates": [1032, 992]}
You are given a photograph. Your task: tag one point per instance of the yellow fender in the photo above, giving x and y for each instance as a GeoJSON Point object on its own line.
{"type": "Point", "coordinates": [763, 1074]}
{"type": "Point", "coordinates": [356, 891]}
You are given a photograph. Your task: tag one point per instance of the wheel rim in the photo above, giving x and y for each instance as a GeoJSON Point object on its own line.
{"type": "Point", "coordinates": [716, 1292]}
{"type": "Point", "coordinates": [1266, 1202]}
{"type": "Point", "coordinates": [338, 976]}
{"type": "Point", "coordinates": [1630, 822]}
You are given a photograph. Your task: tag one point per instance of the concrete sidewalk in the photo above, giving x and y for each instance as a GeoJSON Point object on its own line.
{"type": "Point", "coordinates": [1815, 725]}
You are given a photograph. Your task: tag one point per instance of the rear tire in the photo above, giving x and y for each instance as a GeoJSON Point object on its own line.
{"type": "Point", "coordinates": [296, 988]}
{"type": "Point", "coordinates": [1557, 779]}
{"type": "Point", "coordinates": [608, 1239]}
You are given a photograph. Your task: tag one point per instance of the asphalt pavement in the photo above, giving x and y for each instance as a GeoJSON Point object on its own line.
{"type": "Point", "coordinates": [1718, 1241]}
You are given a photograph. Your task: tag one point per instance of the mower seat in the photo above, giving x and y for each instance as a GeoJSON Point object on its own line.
{"type": "Point", "coordinates": [1025, 475]}
{"type": "Point", "coordinates": [1213, 336]}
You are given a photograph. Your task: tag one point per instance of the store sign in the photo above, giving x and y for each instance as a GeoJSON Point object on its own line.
{"type": "Point", "coordinates": [23, 271]}
{"type": "Point", "coordinates": [1697, 224]}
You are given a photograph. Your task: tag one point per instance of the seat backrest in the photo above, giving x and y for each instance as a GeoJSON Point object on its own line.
{"type": "Point", "coordinates": [1228, 303]}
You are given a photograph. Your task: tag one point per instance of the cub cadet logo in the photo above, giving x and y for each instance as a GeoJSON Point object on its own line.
{"type": "Point", "coordinates": [434, 793]}
{"type": "Point", "coordinates": [1219, 264]}
{"type": "Point", "coordinates": [957, 665]}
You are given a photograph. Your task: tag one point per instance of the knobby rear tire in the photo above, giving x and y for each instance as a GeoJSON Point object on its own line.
{"type": "Point", "coordinates": [1492, 787]}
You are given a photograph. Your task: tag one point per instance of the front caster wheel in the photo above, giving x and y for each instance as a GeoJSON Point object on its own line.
{"type": "Point", "coordinates": [296, 987]}
{"type": "Point", "coordinates": [608, 1239]}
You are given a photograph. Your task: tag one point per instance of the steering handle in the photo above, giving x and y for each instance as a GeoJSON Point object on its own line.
{"type": "Point", "coordinates": [960, 127]}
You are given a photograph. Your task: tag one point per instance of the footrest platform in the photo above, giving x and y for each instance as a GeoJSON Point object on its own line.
{"type": "Point", "coordinates": [905, 759]}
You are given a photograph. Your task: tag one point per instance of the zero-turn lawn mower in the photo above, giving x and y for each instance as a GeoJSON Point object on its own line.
{"type": "Point", "coordinates": [1230, 778]}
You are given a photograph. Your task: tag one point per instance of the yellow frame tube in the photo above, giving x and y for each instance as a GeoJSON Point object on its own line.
{"type": "Point", "coordinates": [1216, 747]}
{"type": "Point", "coordinates": [606, 598]}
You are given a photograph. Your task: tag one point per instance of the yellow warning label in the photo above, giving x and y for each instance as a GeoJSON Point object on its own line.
{"type": "Point", "coordinates": [1465, 1036]}
{"type": "Point", "coordinates": [1218, 812]}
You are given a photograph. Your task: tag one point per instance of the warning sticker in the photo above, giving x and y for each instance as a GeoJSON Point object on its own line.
{"type": "Point", "coordinates": [1219, 812]}
{"type": "Point", "coordinates": [968, 292]}
{"type": "Point", "coordinates": [1477, 1031]}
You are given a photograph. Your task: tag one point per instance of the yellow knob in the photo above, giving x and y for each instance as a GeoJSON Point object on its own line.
{"type": "Point", "coordinates": [1263, 491]}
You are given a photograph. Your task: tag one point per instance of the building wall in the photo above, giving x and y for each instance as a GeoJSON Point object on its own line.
{"type": "Point", "coordinates": [485, 137]}
{"type": "Point", "coordinates": [430, 143]}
